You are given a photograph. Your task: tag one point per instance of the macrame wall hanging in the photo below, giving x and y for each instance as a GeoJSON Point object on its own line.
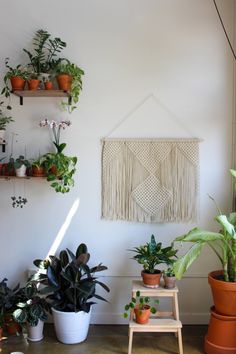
{"type": "Point", "coordinates": [150, 180]}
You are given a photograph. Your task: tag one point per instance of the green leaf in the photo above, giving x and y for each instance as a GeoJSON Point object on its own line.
{"type": "Point", "coordinates": [183, 263]}
{"type": "Point", "coordinates": [228, 227]}
{"type": "Point", "coordinates": [198, 235]}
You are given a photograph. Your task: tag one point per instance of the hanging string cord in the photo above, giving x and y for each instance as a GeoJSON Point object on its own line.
{"type": "Point", "coordinates": [231, 47]}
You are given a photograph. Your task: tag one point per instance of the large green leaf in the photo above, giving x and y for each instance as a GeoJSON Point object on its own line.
{"type": "Point", "coordinates": [183, 263]}
{"type": "Point", "coordinates": [198, 235]}
{"type": "Point", "coordinates": [228, 227]}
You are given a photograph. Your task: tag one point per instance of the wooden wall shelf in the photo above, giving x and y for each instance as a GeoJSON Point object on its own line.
{"type": "Point", "coordinates": [8, 178]}
{"type": "Point", "coordinates": [40, 93]}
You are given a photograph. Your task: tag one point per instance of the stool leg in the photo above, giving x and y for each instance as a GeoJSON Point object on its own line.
{"type": "Point", "coordinates": [180, 341]}
{"type": "Point", "coordinates": [130, 340]}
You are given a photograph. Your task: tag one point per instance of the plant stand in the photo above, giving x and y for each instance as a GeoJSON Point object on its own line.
{"type": "Point", "coordinates": [168, 323]}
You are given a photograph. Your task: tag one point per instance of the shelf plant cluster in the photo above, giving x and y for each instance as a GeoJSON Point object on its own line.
{"type": "Point", "coordinates": [45, 70]}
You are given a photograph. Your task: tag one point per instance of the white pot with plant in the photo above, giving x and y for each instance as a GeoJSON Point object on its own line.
{"type": "Point", "coordinates": [32, 311]}
{"type": "Point", "coordinates": [21, 165]}
{"type": "Point", "coordinates": [71, 285]}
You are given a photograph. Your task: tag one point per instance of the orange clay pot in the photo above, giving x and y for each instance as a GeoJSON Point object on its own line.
{"type": "Point", "coordinates": [1, 333]}
{"type": "Point", "coordinates": [224, 294]}
{"type": "Point", "coordinates": [151, 280]}
{"type": "Point", "coordinates": [142, 316]}
{"type": "Point", "coordinates": [17, 83]}
{"type": "Point", "coordinates": [48, 85]}
{"type": "Point", "coordinates": [64, 82]}
{"type": "Point", "coordinates": [33, 84]}
{"type": "Point", "coordinates": [221, 338]}
{"type": "Point", "coordinates": [11, 325]}
{"type": "Point", "coordinates": [38, 171]}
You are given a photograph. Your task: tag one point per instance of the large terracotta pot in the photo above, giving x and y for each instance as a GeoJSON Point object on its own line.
{"type": "Point", "coordinates": [17, 83]}
{"type": "Point", "coordinates": [151, 280]}
{"type": "Point", "coordinates": [221, 335]}
{"type": "Point", "coordinates": [64, 82]}
{"type": "Point", "coordinates": [224, 294]}
{"type": "Point", "coordinates": [142, 316]}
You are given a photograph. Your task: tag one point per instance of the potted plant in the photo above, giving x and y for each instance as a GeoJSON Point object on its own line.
{"type": "Point", "coordinates": [71, 286]}
{"type": "Point", "coordinates": [4, 120]}
{"type": "Point", "coordinates": [8, 300]}
{"type": "Point", "coordinates": [69, 78]}
{"type": "Point", "coordinates": [169, 277]}
{"type": "Point", "coordinates": [149, 256]}
{"type": "Point", "coordinates": [44, 58]}
{"type": "Point", "coordinates": [32, 311]}
{"type": "Point", "coordinates": [141, 307]}
{"type": "Point", "coordinates": [33, 81]}
{"type": "Point", "coordinates": [17, 77]}
{"type": "Point", "coordinates": [38, 167]}
{"type": "Point", "coordinates": [222, 282]}
{"type": "Point", "coordinates": [60, 168]}
{"type": "Point", "coordinates": [21, 165]}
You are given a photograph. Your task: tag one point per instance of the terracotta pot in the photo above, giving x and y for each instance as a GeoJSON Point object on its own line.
{"type": "Point", "coordinates": [170, 282]}
{"type": "Point", "coordinates": [11, 325]}
{"type": "Point", "coordinates": [17, 83]}
{"type": "Point", "coordinates": [33, 84]}
{"type": "Point", "coordinates": [1, 333]}
{"type": "Point", "coordinates": [48, 85]}
{"type": "Point", "coordinates": [142, 316]}
{"type": "Point", "coordinates": [38, 171]}
{"type": "Point", "coordinates": [151, 280]}
{"type": "Point", "coordinates": [224, 294]}
{"type": "Point", "coordinates": [221, 338]}
{"type": "Point", "coordinates": [8, 170]}
{"type": "Point", "coordinates": [64, 82]}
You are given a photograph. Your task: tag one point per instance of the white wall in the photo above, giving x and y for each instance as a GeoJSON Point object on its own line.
{"type": "Point", "coordinates": [129, 49]}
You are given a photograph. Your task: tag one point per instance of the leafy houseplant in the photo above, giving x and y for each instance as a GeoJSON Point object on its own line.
{"type": "Point", "coordinates": [141, 307]}
{"type": "Point", "coordinates": [8, 300]}
{"type": "Point", "coordinates": [70, 284]}
{"type": "Point", "coordinates": [38, 166]}
{"type": "Point", "coordinates": [44, 58]}
{"type": "Point", "coordinates": [31, 307]}
{"type": "Point", "coordinates": [4, 119]}
{"type": "Point", "coordinates": [17, 76]}
{"type": "Point", "coordinates": [73, 83]}
{"type": "Point", "coordinates": [149, 256]}
{"type": "Point", "coordinates": [21, 164]}
{"type": "Point", "coordinates": [60, 168]}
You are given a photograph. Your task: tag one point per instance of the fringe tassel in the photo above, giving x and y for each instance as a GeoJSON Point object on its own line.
{"type": "Point", "coordinates": [150, 180]}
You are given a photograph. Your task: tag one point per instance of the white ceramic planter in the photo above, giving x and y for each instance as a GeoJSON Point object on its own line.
{"type": "Point", "coordinates": [35, 333]}
{"type": "Point", "coordinates": [21, 172]}
{"type": "Point", "coordinates": [71, 327]}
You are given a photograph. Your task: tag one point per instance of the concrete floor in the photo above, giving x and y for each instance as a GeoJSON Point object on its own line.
{"type": "Point", "coordinates": [109, 339]}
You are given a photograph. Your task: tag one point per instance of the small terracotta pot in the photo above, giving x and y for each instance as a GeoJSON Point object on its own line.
{"type": "Point", "coordinates": [48, 85]}
{"type": "Point", "coordinates": [142, 316]}
{"type": "Point", "coordinates": [33, 84]}
{"type": "Point", "coordinates": [170, 282]}
{"type": "Point", "coordinates": [221, 338]}
{"type": "Point", "coordinates": [17, 83]}
{"type": "Point", "coordinates": [64, 82]}
{"type": "Point", "coordinates": [38, 171]}
{"type": "Point", "coordinates": [151, 280]}
{"type": "Point", "coordinates": [1, 333]}
{"type": "Point", "coordinates": [12, 326]}
{"type": "Point", "coordinates": [8, 170]}
{"type": "Point", "coordinates": [224, 294]}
